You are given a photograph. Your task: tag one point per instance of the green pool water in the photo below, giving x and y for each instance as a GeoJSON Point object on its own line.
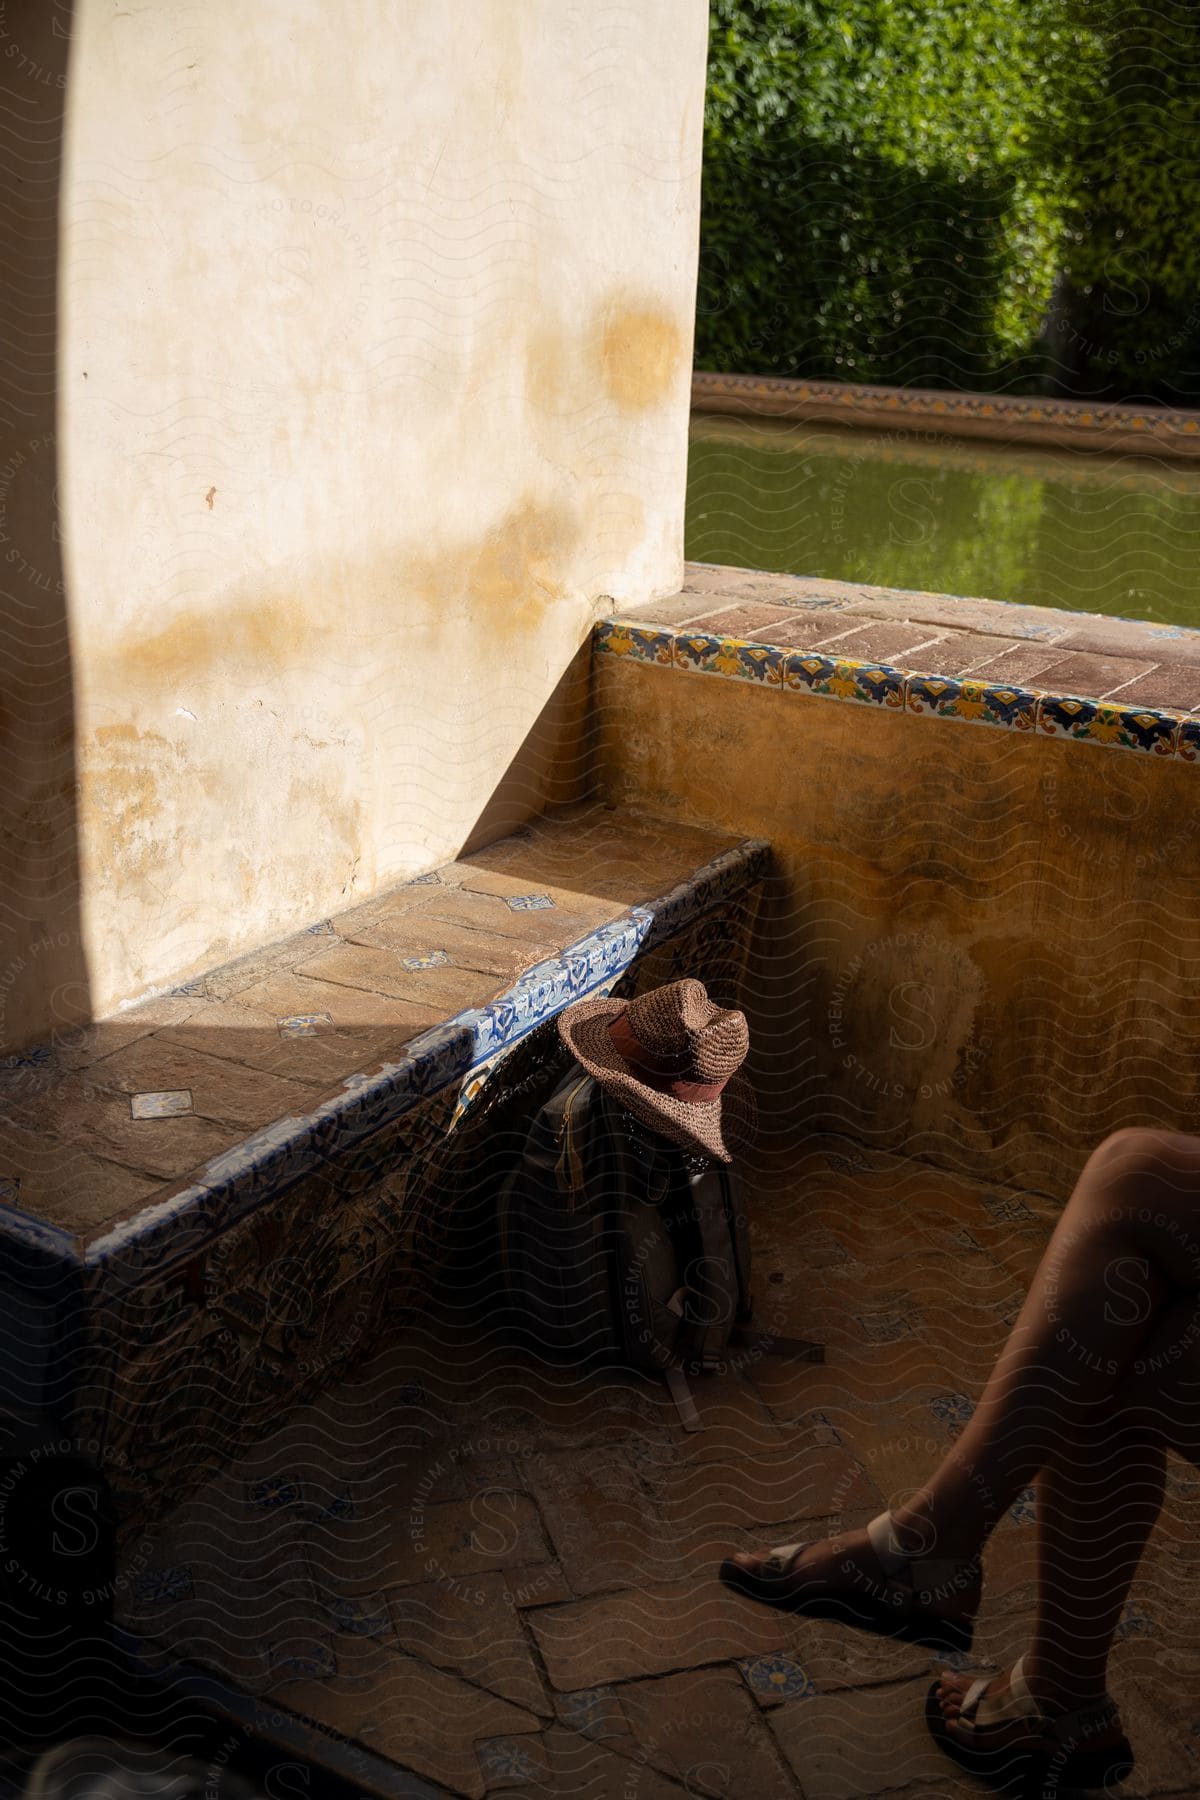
{"type": "Point", "coordinates": [912, 509]}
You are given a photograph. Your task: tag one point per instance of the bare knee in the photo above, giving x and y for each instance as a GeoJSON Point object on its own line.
{"type": "Point", "coordinates": [1144, 1150]}
{"type": "Point", "coordinates": [1142, 1165]}
{"type": "Point", "coordinates": [1140, 1194]}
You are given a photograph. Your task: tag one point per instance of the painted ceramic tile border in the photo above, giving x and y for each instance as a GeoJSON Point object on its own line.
{"type": "Point", "coordinates": [271, 1160]}
{"type": "Point", "coordinates": [1149, 431]}
{"type": "Point", "coordinates": [1147, 730]}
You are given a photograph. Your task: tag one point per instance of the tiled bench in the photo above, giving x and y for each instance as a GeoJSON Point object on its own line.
{"type": "Point", "coordinates": [214, 1200]}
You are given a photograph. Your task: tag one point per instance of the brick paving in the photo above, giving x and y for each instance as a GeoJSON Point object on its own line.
{"type": "Point", "coordinates": [500, 1575]}
{"type": "Point", "coordinates": [1089, 655]}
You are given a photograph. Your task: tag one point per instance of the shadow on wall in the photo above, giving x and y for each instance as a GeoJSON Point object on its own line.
{"type": "Point", "coordinates": [43, 971]}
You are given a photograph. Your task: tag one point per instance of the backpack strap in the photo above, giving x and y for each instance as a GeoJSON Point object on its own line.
{"type": "Point", "coordinates": [711, 1276]}
{"type": "Point", "coordinates": [569, 1170]}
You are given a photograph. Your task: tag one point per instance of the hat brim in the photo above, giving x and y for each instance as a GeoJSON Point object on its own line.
{"type": "Point", "coordinates": [720, 1128]}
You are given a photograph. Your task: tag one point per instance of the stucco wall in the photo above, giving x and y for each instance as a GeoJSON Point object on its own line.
{"type": "Point", "coordinates": [374, 331]}
{"type": "Point", "coordinates": [981, 947]}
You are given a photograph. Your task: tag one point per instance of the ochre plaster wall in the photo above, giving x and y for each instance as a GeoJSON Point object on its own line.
{"type": "Point", "coordinates": [374, 330]}
{"type": "Point", "coordinates": [980, 947]}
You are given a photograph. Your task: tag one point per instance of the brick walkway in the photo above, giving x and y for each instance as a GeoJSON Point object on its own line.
{"type": "Point", "coordinates": [1124, 662]}
{"type": "Point", "coordinates": [500, 1576]}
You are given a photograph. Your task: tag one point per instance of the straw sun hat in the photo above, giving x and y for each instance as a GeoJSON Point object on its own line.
{"type": "Point", "coordinates": [674, 1059]}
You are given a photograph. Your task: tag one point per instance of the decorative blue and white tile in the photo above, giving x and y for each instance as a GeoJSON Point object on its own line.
{"type": "Point", "coordinates": [164, 1587]}
{"type": "Point", "coordinates": [431, 879]}
{"type": "Point", "coordinates": [1063, 715]}
{"type": "Point", "coordinates": [844, 679]}
{"type": "Point", "coordinates": [510, 1761]}
{"type": "Point", "coordinates": [1094, 722]}
{"type": "Point", "coordinates": [1188, 741]}
{"type": "Point", "coordinates": [740, 659]}
{"type": "Point", "coordinates": [364, 1617]}
{"type": "Point", "coordinates": [958, 1660]}
{"type": "Point", "coordinates": [777, 1677]}
{"type": "Point", "coordinates": [192, 990]}
{"type": "Point", "coordinates": [1135, 1621]}
{"type": "Point", "coordinates": [811, 602]}
{"type": "Point", "coordinates": [877, 683]}
{"type": "Point", "coordinates": [528, 902]}
{"type": "Point", "coordinates": [931, 694]}
{"type": "Point", "coordinates": [163, 1103]}
{"type": "Point", "coordinates": [1015, 708]}
{"type": "Point", "coordinates": [1006, 1209]}
{"type": "Point", "coordinates": [1148, 730]}
{"type": "Point", "coordinates": [640, 643]}
{"type": "Point", "coordinates": [323, 928]}
{"type": "Point", "coordinates": [1024, 1507]}
{"type": "Point", "coordinates": [276, 1491]}
{"type": "Point", "coordinates": [297, 1025]}
{"type": "Point", "coordinates": [888, 1327]}
{"type": "Point", "coordinates": [595, 1713]}
{"type": "Point", "coordinates": [339, 1505]}
{"type": "Point", "coordinates": [428, 959]}
{"type": "Point", "coordinates": [807, 672]}
{"type": "Point", "coordinates": [37, 1056]}
{"type": "Point", "coordinates": [951, 1409]}
{"type": "Point", "coordinates": [981, 703]}
{"type": "Point", "coordinates": [703, 651]}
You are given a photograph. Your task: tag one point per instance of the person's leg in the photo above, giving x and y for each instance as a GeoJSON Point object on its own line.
{"type": "Point", "coordinates": [1126, 1246]}
{"type": "Point", "coordinates": [1097, 1501]}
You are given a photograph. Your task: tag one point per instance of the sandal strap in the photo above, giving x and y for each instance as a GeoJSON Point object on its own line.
{"type": "Point", "coordinates": [1017, 1706]}
{"type": "Point", "coordinates": [916, 1574]}
{"type": "Point", "coordinates": [778, 1562]}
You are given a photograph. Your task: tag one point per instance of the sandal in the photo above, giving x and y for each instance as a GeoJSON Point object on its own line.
{"type": "Point", "coordinates": [1059, 1745]}
{"type": "Point", "coordinates": [890, 1606]}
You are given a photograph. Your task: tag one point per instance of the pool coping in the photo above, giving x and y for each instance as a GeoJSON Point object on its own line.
{"type": "Point", "coordinates": [899, 686]}
{"type": "Point", "coordinates": [1011, 418]}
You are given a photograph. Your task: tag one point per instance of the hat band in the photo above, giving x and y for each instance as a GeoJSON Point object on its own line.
{"type": "Point", "coordinates": [652, 1069]}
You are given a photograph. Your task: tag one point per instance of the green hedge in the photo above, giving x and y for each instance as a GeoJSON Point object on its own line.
{"type": "Point", "coordinates": [1130, 313]}
{"type": "Point", "coordinates": [933, 191]}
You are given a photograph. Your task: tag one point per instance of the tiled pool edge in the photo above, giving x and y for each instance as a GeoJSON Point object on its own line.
{"type": "Point", "coordinates": [1144, 730]}
{"type": "Point", "coordinates": [1111, 426]}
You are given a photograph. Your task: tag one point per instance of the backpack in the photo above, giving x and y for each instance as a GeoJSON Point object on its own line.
{"type": "Point", "coordinates": [617, 1246]}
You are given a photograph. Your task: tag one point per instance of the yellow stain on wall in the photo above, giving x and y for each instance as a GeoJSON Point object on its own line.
{"type": "Point", "coordinates": [638, 350]}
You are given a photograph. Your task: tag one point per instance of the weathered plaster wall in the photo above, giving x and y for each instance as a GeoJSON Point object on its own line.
{"type": "Point", "coordinates": [981, 947]}
{"type": "Point", "coordinates": [374, 361]}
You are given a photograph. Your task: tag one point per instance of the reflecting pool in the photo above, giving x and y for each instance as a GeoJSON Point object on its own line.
{"type": "Point", "coordinates": [912, 508]}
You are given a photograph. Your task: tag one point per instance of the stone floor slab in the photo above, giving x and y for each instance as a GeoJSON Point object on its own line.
{"type": "Point", "coordinates": [400, 1707]}
{"type": "Point", "coordinates": [859, 1742]}
{"type": "Point", "coordinates": [704, 1729]}
{"type": "Point", "coordinates": [652, 1631]}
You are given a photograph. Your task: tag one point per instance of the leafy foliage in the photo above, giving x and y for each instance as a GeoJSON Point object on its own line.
{"type": "Point", "coordinates": [935, 191]}
{"type": "Point", "coordinates": [1131, 270]}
